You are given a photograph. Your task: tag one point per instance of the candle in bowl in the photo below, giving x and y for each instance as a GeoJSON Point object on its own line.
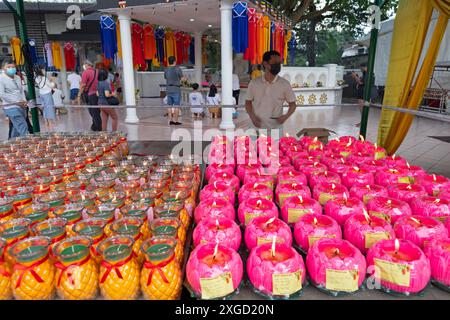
{"type": "Point", "coordinates": [255, 190]}
{"type": "Point", "coordinates": [313, 227]}
{"type": "Point", "coordinates": [94, 229]}
{"type": "Point", "coordinates": [434, 184]}
{"type": "Point", "coordinates": [388, 208]}
{"type": "Point", "coordinates": [254, 207]}
{"type": "Point", "coordinates": [388, 176]}
{"type": "Point", "coordinates": [323, 192]}
{"type": "Point", "coordinates": [72, 213]}
{"type": "Point", "coordinates": [21, 197]}
{"type": "Point", "coordinates": [218, 230]}
{"type": "Point", "coordinates": [368, 192]}
{"type": "Point", "coordinates": [242, 169]}
{"type": "Point", "coordinates": [311, 144]}
{"type": "Point", "coordinates": [259, 177]}
{"type": "Point", "coordinates": [161, 277]}
{"type": "Point", "coordinates": [276, 270]}
{"type": "Point", "coordinates": [394, 161]}
{"type": "Point", "coordinates": [263, 229]}
{"type": "Point", "coordinates": [361, 157]}
{"type": "Point", "coordinates": [419, 229]}
{"type": "Point", "coordinates": [399, 266]}
{"type": "Point", "coordinates": [321, 177]}
{"type": "Point", "coordinates": [292, 176]}
{"type": "Point", "coordinates": [357, 177]}
{"type": "Point", "coordinates": [119, 270]}
{"type": "Point", "coordinates": [33, 277]}
{"type": "Point", "coordinates": [214, 271]}
{"type": "Point", "coordinates": [406, 192]}
{"type": "Point", "coordinates": [130, 226]}
{"type": "Point", "coordinates": [116, 198]}
{"type": "Point", "coordinates": [6, 209]}
{"type": "Point", "coordinates": [229, 179]}
{"type": "Point", "coordinates": [105, 212]}
{"type": "Point", "coordinates": [5, 274]}
{"type": "Point", "coordinates": [341, 209]}
{"type": "Point", "coordinates": [83, 198]}
{"type": "Point", "coordinates": [314, 168]}
{"type": "Point", "coordinates": [340, 166]}
{"type": "Point", "coordinates": [172, 228]}
{"type": "Point", "coordinates": [373, 166]}
{"type": "Point", "coordinates": [13, 231]}
{"type": "Point", "coordinates": [433, 207]}
{"type": "Point", "coordinates": [54, 229]}
{"type": "Point", "coordinates": [218, 190]}
{"type": "Point", "coordinates": [287, 190]}
{"type": "Point", "coordinates": [73, 258]}
{"type": "Point", "coordinates": [214, 208]}
{"type": "Point", "coordinates": [336, 266]}
{"type": "Point", "coordinates": [438, 252]}
{"type": "Point", "coordinates": [296, 151]}
{"type": "Point", "coordinates": [296, 207]}
{"type": "Point", "coordinates": [364, 231]}
{"type": "Point", "coordinates": [143, 212]}
{"type": "Point", "coordinates": [414, 172]}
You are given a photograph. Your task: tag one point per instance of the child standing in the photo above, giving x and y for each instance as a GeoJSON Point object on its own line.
{"type": "Point", "coordinates": [45, 92]}
{"type": "Point", "coordinates": [196, 99]}
{"type": "Point", "coordinates": [58, 98]}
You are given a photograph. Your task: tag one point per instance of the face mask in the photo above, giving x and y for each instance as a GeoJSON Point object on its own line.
{"type": "Point", "coordinates": [275, 68]}
{"type": "Point", "coordinates": [11, 71]}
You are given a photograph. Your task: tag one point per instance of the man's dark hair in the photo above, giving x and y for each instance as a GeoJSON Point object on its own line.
{"type": "Point", "coordinates": [6, 62]}
{"type": "Point", "coordinates": [212, 91]}
{"type": "Point", "coordinates": [102, 75]}
{"type": "Point", "coordinates": [54, 74]}
{"type": "Point", "coordinates": [259, 67]}
{"type": "Point", "coordinates": [269, 54]}
{"type": "Point", "coordinates": [195, 86]}
{"type": "Point", "coordinates": [172, 60]}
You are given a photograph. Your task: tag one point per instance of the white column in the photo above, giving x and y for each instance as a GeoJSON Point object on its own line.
{"type": "Point", "coordinates": [63, 77]}
{"type": "Point", "coordinates": [227, 64]}
{"type": "Point", "coordinates": [198, 57]}
{"type": "Point", "coordinates": [129, 88]}
{"type": "Point", "coordinates": [331, 78]}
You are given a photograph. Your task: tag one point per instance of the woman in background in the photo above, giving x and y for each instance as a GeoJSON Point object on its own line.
{"type": "Point", "coordinates": [104, 92]}
{"type": "Point", "coordinates": [46, 87]}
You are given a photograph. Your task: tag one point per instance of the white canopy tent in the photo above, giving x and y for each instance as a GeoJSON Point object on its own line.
{"type": "Point", "coordinates": [190, 16]}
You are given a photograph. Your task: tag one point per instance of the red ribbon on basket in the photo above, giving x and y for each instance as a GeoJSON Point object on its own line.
{"type": "Point", "coordinates": [153, 267]}
{"type": "Point", "coordinates": [115, 266]}
{"type": "Point", "coordinates": [23, 269]}
{"type": "Point", "coordinates": [64, 268]}
{"type": "Point", "coordinates": [19, 204]}
{"type": "Point", "coordinates": [3, 271]}
{"type": "Point", "coordinates": [6, 214]}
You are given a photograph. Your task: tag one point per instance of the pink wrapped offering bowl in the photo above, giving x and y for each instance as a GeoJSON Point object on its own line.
{"type": "Point", "coordinates": [312, 227]}
{"type": "Point", "coordinates": [364, 231]}
{"type": "Point", "coordinates": [292, 176]}
{"type": "Point", "coordinates": [395, 161]}
{"type": "Point", "coordinates": [218, 230]}
{"type": "Point", "coordinates": [357, 177]}
{"type": "Point", "coordinates": [336, 266]}
{"type": "Point", "coordinates": [419, 229]}
{"type": "Point", "coordinates": [388, 176]}
{"type": "Point", "coordinates": [308, 169]}
{"type": "Point", "coordinates": [343, 208]}
{"type": "Point", "coordinates": [321, 177]}
{"type": "Point", "coordinates": [414, 172]}
{"type": "Point", "coordinates": [214, 208]}
{"type": "Point", "coordinates": [432, 207]}
{"type": "Point", "coordinates": [340, 166]}
{"type": "Point", "coordinates": [438, 252]}
{"type": "Point", "coordinates": [218, 168]}
{"type": "Point", "coordinates": [263, 229]}
{"type": "Point", "coordinates": [434, 184]}
{"type": "Point", "coordinates": [287, 190]}
{"type": "Point", "coordinates": [276, 271]}
{"type": "Point", "coordinates": [296, 207]}
{"type": "Point", "coordinates": [214, 271]}
{"type": "Point", "coordinates": [254, 207]}
{"type": "Point", "coordinates": [323, 192]}
{"type": "Point", "coordinates": [229, 179]}
{"type": "Point", "coordinates": [374, 166]}
{"type": "Point", "coordinates": [259, 177]}
{"type": "Point", "coordinates": [447, 225]}
{"type": "Point", "coordinates": [218, 190]}
{"type": "Point", "coordinates": [255, 190]}
{"type": "Point", "coordinates": [406, 192]}
{"type": "Point", "coordinates": [242, 169]}
{"type": "Point", "coordinates": [398, 266]}
{"type": "Point", "coordinates": [388, 209]}
{"type": "Point", "coordinates": [367, 192]}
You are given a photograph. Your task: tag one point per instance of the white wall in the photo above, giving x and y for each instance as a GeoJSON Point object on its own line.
{"type": "Point", "coordinates": [56, 23]}
{"type": "Point", "coordinates": [7, 27]}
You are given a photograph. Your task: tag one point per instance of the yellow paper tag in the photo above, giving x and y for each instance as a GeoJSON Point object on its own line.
{"type": "Point", "coordinates": [373, 237]}
{"type": "Point", "coordinates": [283, 197]}
{"type": "Point", "coordinates": [203, 241]}
{"type": "Point", "coordinates": [268, 240]}
{"type": "Point", "coordinates": [286, 283]}
{"type": "Point", "coordinates": [324, 197]}
{"type": "Point", "coordinates": [367, 198]}
{"type": "Point", "coordinates": [396, 273]}
{"type": "Point", "coordinates": [442, 219]}
{"type": "Point", "coordinates": [380, 155]}
{"type": "Point", "coordinates": [217, 287]}
{"type": "Point", "coordinates": [342, 280]}
{"type": "Point", "coordinates": [381, 215]}
{"type": "Point", "coordinates": [404, 180]}
{"type": "Point", "coordinates": [313, 239]}
{"type": "Point", "coordinates": [249, 217]}
{"type": "Point", "coordinates": [295, 214]}
{"type": "Point", "coordinates": [435, 193]}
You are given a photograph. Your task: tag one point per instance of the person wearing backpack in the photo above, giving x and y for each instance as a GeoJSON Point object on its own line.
{"type": "Point", "coordinates": [88, 92]}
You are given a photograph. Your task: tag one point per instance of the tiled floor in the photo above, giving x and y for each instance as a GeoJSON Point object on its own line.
{"type": "Point", "coordinates": [417, 148]}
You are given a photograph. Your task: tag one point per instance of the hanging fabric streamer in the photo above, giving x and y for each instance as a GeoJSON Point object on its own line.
{"type": "Point", "coordinates": [119, 41]}
{"type": "Point", "coordinates": [159, 37]}
{"type": "Point", "coordinates": [16, 48]}
{"type": "Point", "coordinates": [292, 47]}
{"type": "Point", "coordinates": [149, 43]}
{"type": "Point", "coordinates": [272, 35]}
{"type": "Point", "coordinates": [287, 39]}
{"type": "Point", "coordinates": [138, 48]}
{"type": "Point", "coordinates": [179, 37]}
{"type": "Point", "coordinates": [251, 52]}
{"type": "Point", "coordinates": [33, 52]}
{"type": "Point", "coordinates": [266, 35]}
{"type": "Point", "coordinates": [259, 37]}
{"type": "Point", "coordinates": [108, 36]}
{"type": "Point", "coordinates": [240, 26]}
{"type": "Point", "coordinates": [170, 44]}
{"type": "Point", "coordinates": [56, 54]}
{"type": "Point", "coordinates": [186, 46]}
{"type": "Point", "coordinates": [192, 51]}
{"type": "Point", "coordinates": [69, 56]}
{"type": "Point", "coordinates": [204, 53]}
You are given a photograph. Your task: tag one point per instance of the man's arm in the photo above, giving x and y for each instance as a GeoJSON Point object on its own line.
{"type": "Point", "coordinates": [251, 113]}
{"type": "Point", "coordinates": [291, 100]}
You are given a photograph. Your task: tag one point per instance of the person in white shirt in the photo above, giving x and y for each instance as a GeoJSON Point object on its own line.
{"type": "Point", "coordinates": [74, 81]}
{"type": "Point", "coordinates": [236, 88]}
{"type": "Point", "coordinates": [58, 97]}
{"type": "Point", "coordinates": [214, 99]}
{"type": "Point", "coordinates": [196, 99]}
{"type": "Point", "coordinates": [45, 87]}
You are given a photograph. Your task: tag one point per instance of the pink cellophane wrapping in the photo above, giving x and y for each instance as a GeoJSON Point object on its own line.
{"type": "Point", "coordinates": [365, 193]}
{"type": "Point", "coordinates": [257, 207]}
{"type": "Point", "coordinates": [356, 228]}
{"type": "Point", "coordinates": [399, 191]}
{"type": "Point", "coordinates": [386, 177]}
{"type": "Point", "coordinates": [260, 271]}
{"type": "Point", "coordinates": [292, 176]}
{"type": "Point", "coordinates": [395, 209]}
{"type": "Point", "coordinates": [317, 261]}
{"type": "Point", "coordinates": [256, 230]}
{"type": "Point", "coordinates": [242, 169]}
{"type": "Point", "coordinates": [255, 191]}
{"type": "Point", "coordinates": [321, 177]}
{"type": "Point", "coordinates": [293, 189]}
{"type": "Point", "coordinates": [405, 228]}
{"type": "Point", "coordinates": [214, 208]}
{"type": "Point", "coordinates": [342, 209]}
{"type": "Point", "coordinates": [419, 265]}
{"type": "Point", "coordinates": [309, 169]}
{"type": "Point", "coordinates": [229, 235]}
{"type": "Point", "coordinates": [304, 229]}
{"type": "Point", "coordinates": [431, 207]}
{"type": "Point", "coordinates": [218, 190]}
{"type": "Point", "coordinates": [229, 179]}
{"type": "Point", "coordinates": [432, 186]}
{"type": "Point", "coordinates": [337, 193]}
{"type": "Point", "coordinates": [218, 168]}
{"type": "Point", "coordinates": [357, 177]}
{"type": "Point", "coordinates": [196, 268]}
{"type": "Point", "coordinates": [438, 252]}
{"type": "Point", "coordinates": [313, 206]}
{"type": "Point", "coordinates": [259, 177]}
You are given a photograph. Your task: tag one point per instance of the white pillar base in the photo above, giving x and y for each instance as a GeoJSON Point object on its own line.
{"type": "Point", "coordinates": [131, 116]}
